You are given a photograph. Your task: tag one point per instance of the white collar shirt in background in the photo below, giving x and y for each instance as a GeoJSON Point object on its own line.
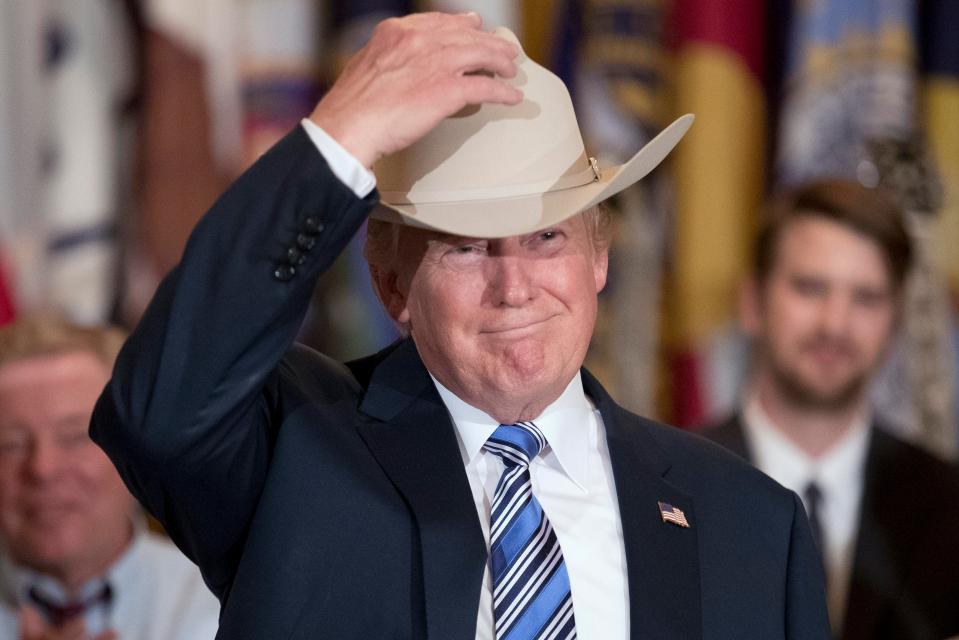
{"type": "Point", "coordinates": [839, 475]}
{"type": "Point", "coordinates": [157, 594]}
{"type": "Point", "coordinates": [572, 478]}
{"type": "Point", "coordinates": [573, 481]}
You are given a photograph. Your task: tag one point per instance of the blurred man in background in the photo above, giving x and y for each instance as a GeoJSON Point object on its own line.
{"type": "Point", "coordinates": [75, 558]}
{"type": "Point", "coordinates": [822, 309]}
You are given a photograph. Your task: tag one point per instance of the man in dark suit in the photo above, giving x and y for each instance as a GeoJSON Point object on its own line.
{"type": "Point", "coordinates": [822, 308]}
{"type": "Point", "coordinates": [471, 480]}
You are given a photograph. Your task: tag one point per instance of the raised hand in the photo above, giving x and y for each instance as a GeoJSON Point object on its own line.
{"type": "Point", "coordinates": [414, 72]}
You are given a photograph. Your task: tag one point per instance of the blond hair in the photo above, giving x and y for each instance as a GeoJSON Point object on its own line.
{"type": "Point", "coordinates": [45, 333]}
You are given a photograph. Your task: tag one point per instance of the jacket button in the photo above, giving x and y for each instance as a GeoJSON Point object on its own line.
{"type": "Point", "coordinates": [295, 256]}
{"type": "Point", "coordinates": [305, 242]}
{"type": "Point", "coordinates": [284, 272]}
{"type": "Point", "coordinates": [313, 225]}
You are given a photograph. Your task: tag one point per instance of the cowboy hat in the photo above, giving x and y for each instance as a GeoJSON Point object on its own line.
{"type": "Point", "coordinates": [492, 171]}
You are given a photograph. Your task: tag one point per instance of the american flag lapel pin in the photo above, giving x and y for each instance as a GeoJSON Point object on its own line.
{"type": "Point", "coordinates": [673, 514]}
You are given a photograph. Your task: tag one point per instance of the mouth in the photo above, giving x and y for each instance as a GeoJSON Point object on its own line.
{"type": "Point", "coordinates": [516, 328]}
{"type": "Point", "coordinates": [830, 354]}
{"type": "Point", "coordinates": [50, 512]}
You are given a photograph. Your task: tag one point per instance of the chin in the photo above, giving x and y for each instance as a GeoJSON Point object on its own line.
{"type": "Point", "coordinates": [48, 555]}
{"type": "Point", "coordinates": [537, 386]}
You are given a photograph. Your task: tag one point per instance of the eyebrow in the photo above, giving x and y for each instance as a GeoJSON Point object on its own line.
{"type": "Point", "coordinates": [71, 419]}
{"type": "Point", "coordinates": [452, 238]}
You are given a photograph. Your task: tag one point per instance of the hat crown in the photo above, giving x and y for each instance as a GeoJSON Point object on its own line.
{"type": "Point", "coordinates": [494, 151]}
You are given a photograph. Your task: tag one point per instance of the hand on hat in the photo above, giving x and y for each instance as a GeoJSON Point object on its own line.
{"type": "Point", "coordinates": [414, 72]}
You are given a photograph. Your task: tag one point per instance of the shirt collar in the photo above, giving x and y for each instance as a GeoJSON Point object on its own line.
{"type": "Point", "coordinates": [17, 579]}
{"type": "Point", "coordinates": [841, 466]}
{"type": "Point", "coordinates": [566, 423]}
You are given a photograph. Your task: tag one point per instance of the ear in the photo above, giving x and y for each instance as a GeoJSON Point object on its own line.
{"type": "Point", "coordinates": [750, 307]}
{"type": "Point", "coordinates": [601, 267]}
{"type": "Point", "coordinates": [387, 287]}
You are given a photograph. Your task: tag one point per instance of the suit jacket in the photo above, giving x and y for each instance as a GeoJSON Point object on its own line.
{"type": "Point", "coordinates": [905, 574]}
{"type": "Point", "coordinates": [323, 500]}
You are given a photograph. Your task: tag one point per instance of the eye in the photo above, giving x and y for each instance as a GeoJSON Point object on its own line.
{"type": "Point", "coordinates": [547, 242]}
{"type": "Point", "coordinates": [869, 298]}
{"type": "Point", "coordinates": [467, 247]}
{"type": "Point", "coordinates": [466, 254]}
{"type": "Point", "coordinates": [809, 287]}
{"type": "Point", "coordinates": [73, 439]}
{"type": "Point", "coordinates": [12, 443]}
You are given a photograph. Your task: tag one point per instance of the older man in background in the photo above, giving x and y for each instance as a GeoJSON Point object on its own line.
{"type": "Point", "coordinates": [822, 308]}
{"type": "Point", "coordinates": [76, 560]}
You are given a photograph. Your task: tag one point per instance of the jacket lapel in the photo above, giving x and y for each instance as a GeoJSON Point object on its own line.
{"type": "Point", "coordinates": [412, 437]}
{"type": "Point", "coordinates": [662, 558]}
{"type": "Point", "coordinates": [887, 518]}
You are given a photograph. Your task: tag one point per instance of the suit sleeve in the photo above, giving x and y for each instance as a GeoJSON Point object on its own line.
{"type": "Point", "coordinates": [806, 616]}
{"type": "Point", "coordinates": [190, 413]}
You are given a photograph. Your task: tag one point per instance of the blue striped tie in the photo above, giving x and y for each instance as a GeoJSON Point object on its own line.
{"type": "Point", "coordinates": [531, 596]}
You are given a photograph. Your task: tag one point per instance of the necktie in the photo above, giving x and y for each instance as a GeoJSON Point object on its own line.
{"type": "Point", "coordinates": [531, 595]}
{"type": "Point", "coordinates": [813, 496]}
{"type": "Point", "coordinates": [57, 614]}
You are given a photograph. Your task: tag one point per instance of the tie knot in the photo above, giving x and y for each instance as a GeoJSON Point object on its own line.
{"type": "Point", "coordinates": [813, 494]}
{"type": "Point", "coordinates": [516, 444]}
{"type": "Point", "coordinates": [59, 613]}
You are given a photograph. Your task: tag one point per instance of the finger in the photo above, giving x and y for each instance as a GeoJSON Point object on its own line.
{"type": "Point", "coordinates": [468, 59]}
{"type": "Point", "coordinates": [438, 20]}
{"type": "Point", "coordinates": [396, 43]}
{"type": "Point", "coordinates": [32, 626]}
{"type": "Point", "coordinates": [477, 89]}
{"type": "Point", "coordinates": [435, 25]}
{"type": "Point", "coordinates": [481, 39]}
{"type": "Point", "coordinates": [107, 635]}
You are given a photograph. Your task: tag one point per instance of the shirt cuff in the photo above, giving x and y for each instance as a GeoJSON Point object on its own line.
{"type": "Point", "coordinates": [342, 163]}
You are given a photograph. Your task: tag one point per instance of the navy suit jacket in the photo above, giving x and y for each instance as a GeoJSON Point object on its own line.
{"type": "Point", "coordinates": [905, 575]}
{"type": "Point", "coordinates": [323, 500]}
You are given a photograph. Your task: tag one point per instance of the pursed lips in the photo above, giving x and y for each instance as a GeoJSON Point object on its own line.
{"type": "Point", "coordinates": [517, 327]}
{"type": "Point", "coordinates": [53, 508]}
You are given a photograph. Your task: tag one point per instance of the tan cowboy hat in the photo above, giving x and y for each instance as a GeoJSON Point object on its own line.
{"type": "Point", "coordinates": [494, 171]}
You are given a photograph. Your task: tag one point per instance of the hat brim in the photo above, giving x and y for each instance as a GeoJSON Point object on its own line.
{"type": "Point", "coordinates": [504, 217]}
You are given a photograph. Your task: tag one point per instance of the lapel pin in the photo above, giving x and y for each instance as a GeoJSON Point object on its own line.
{"type": "Point", "coordinates": [672, 514]}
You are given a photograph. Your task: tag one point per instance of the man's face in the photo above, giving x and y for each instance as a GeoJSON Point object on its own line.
{"type": "Point", "coordinates": [62, 504]}
{"type": "Point", "coordinates": [503, 321]}
{"type": "Point", "coordinates": [825, 314]}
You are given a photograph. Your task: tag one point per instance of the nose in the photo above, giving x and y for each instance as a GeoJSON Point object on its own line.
{"type": "Point", "coordinates": [44, 460]}
{"type": "Point", "coordinates": [834, 314]}
{"type": "Point", "coordinates": [511, 281]}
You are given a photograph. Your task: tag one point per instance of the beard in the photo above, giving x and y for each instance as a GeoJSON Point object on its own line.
{"type": "Point", "coordinates": [805, 394]}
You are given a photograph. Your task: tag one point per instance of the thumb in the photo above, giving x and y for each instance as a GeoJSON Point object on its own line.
{"type": "Point", "coordinates": [32, 625]}
{"type": "Point", "coordinates": [107, 635]}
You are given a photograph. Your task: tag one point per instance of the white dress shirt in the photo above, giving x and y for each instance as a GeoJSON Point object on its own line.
{"type": "Point", "coordinates": [839, 475]}
{"type": "Point", "coordinates": [157, 594]}
{"type": "Point", "coordinates": [342, 163]}
{"type": "Point", "coordinates": [572, 477]}
{"type": "Point", "coordinates": [573, 481]}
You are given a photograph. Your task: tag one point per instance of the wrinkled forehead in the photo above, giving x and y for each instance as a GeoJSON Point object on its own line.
{"type": "Point", "coordinates": [52, 385]}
